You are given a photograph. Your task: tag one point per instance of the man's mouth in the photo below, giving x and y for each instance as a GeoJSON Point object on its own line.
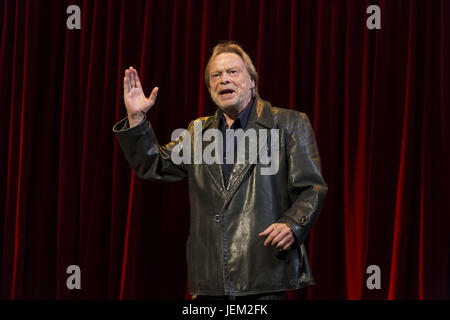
{"type": "Point", "coordinates": [226, 93]}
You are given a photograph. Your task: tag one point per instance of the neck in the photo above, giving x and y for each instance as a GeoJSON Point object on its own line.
{"type": "Point", "coordinates": [229, 119]}
{"type": "Point", "coordinates": [232, 114]}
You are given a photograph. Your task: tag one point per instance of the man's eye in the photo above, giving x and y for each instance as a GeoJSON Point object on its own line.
{"type": "Point", "coordinates": [233, 71]}
{"type": "Point", "coordinates": [215, 75]}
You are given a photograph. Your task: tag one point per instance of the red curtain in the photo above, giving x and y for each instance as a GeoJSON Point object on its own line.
{"type": "Point", "coordinates": [378, 101]}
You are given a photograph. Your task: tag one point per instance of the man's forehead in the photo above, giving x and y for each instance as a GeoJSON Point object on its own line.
{"type": "Point", "coordinates": [227, 60]}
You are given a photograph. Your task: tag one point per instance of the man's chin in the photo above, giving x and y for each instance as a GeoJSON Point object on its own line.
{"type": "Point", "coordinates": [226, 105]}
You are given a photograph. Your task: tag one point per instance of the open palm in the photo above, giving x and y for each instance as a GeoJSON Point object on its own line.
{"type": "Point", "coordinates": [136, 102]}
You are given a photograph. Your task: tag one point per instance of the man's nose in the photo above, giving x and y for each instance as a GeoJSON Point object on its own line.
{"type": "Point", "coordinates": [224, 78]}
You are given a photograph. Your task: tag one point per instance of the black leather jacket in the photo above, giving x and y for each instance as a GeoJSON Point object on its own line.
{"type": "Point", "coordinates": [225, 255]}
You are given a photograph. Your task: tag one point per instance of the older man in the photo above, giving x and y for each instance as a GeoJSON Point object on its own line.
{"type": "Point", "coordinates": [247, 228]}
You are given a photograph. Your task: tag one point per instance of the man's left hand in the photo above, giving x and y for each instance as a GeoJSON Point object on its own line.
{"type": "Point", "coordinates": [279, 235]}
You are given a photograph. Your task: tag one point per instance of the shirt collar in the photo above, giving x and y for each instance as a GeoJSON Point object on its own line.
{"type": "Point", "coordinates": [241, 120]}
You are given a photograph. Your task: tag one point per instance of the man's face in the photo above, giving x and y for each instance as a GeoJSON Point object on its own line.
{"type": "Point", "coordinates": [230, 83]}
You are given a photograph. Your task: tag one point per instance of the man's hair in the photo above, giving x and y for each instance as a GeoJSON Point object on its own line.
{"type": "Point", "coordinates": [233, 47]}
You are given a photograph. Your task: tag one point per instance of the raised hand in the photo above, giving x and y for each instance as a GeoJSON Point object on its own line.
{"type": "Point", "coordinates": [136, 102]}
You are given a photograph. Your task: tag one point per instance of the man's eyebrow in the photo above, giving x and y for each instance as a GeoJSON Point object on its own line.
{"type": "Point", "coordinates": [232, 67]}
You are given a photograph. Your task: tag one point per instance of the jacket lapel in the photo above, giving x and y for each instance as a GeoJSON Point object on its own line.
{"type": "Point", "coordinates": [260, 118]}
{"type": "Point", "coordinates": [214, 169]}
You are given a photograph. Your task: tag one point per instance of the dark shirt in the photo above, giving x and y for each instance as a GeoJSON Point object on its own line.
{"type": "Point", "coordinates": [239, 123]}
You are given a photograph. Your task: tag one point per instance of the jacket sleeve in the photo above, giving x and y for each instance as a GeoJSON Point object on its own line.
{"type": "Point", "coordinates": [146, 157]}
{"type": "Point", "coordinates": [307, 188]}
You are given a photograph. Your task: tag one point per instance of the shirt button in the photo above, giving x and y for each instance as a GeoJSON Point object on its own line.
{"type": "Point", "coordinates": [217, 218]}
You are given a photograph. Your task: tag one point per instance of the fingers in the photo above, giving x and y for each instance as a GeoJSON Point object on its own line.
{"type": "Point", "coordinates": [285, 246]}
{"type": "Point", "coordinates": [136, 79]}
{"type": "Point", "coordinates": [284, 243]}
{"type": "Point", "coordinates": [271, 237]}
{"type": "Point", "coordinates": [284, 240]}
{"type": "Point", "coordinates": [126, 82]}
{"type": "Point", "coordinates": [154, 94]}
{"type": "Point", "coordinates": [133, 78]}
{"type": "Point", "coordinates": [267, 231]}
{"type": "Point", "coordinates": [279, 236]}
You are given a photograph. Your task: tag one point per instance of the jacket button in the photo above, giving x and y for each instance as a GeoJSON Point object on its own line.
{"type": "Point", "coordinates": [303, 220]}
{"type": "Point", "coordinates": [217, 218]}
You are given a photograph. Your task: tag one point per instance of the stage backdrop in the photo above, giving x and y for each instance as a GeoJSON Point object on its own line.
{"type": "Point", "coordinates": [377, 99]}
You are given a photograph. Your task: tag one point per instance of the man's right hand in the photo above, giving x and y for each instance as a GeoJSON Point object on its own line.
{"type": "Point", "coordinates": [135, 101]}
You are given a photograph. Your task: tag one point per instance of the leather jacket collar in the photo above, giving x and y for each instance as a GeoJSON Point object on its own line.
{"type": "Point", "coordinates": [261, 115]}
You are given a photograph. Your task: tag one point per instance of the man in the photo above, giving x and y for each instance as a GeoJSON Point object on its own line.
{"type": "Point", "coordinates": [247, 228]}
